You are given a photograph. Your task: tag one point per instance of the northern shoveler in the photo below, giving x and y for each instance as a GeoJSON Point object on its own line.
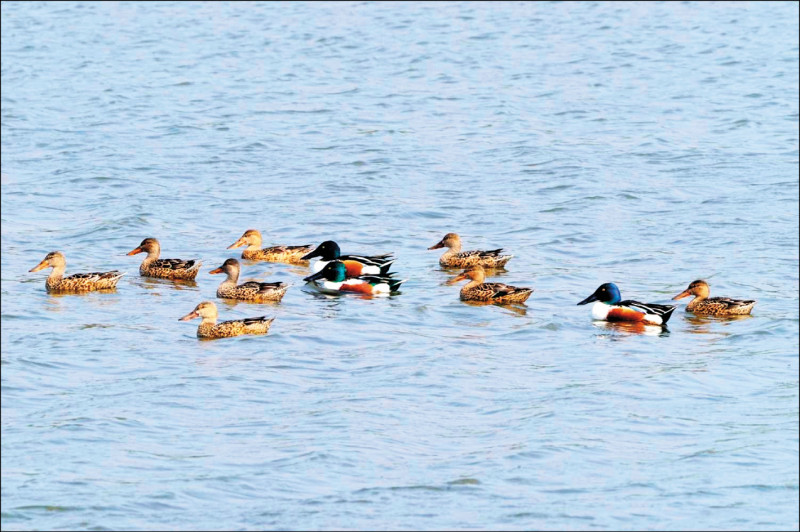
{"type": "Point", "coordinates": [209, 328]}
{"type": "Point", "coordinates": [477, 290]}
{"type": "Point", "coordinates": [78, 282]}
{"type": "Point", "coordinates": [249, 291]}
{"type": "Point", "coordinates": [714, 306]}
{"type": "Point", "coordinates": [152, 266]}
{"type": "Point", "coordinates": [253, 251]}
{"type": "Point", "coordinates": [455, 258]}
{"type": "Point", "coordinates": [356, 264]}
{"type": "Point", "coordinates": [609, 307]}
{"type": "Point", "coordinates": [333, 277]}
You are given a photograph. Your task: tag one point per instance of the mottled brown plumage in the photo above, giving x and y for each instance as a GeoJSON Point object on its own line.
{"type": "Point", "coordinates": [209, 328]}
{"type": "Point", "coordinates": [152, 266]}
{"type": "Point", "coordinates": [477, 290]}
{"type": "Point", "coordinates": [713, 306]}
{"type": "Point", "coordinates": [455, 258]}
{"type": "Point", "coordinates": [253, 251]}
{"type": "Point", "coordinates": [249, 291]}
{"type": "Point", "coordinates": [79, 282]}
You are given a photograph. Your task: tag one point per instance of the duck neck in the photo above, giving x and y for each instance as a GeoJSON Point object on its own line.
{"type": "Point", "coordinates": [477, 279]}
{"type": "Point", "coordinates": [232, 277]}
{"type": "Point", "coordinates": [152, 255]}
{"type": "Point", "coordinates": [206, 326]}
{"type": "Point", "coordinates": [255, 243]}
{"type": "Point", "coordinates": [452, 250]}
{"type": "Point", "coordinates": [56, 274]}
{"type": "Point", "coordinates": [470, 285]}
{"type": "Point", "coordinates": [698, 298]}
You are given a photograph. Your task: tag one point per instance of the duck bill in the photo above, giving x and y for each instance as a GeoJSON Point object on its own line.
{"type": "Point", "coordinates": [311, 255]}
{"type": "Point", "coordinates": [192, 315]}
{"type": "Point", "coordinates": [313, 277]}
{"type": "Point", "coordinates": [588, 299]}
{"type": "Point", "coordinates": [683, 294]}
{"type": "Point", "coordinates": [437, 246]}
{"type": "Point", "coordinates": [134, 251]}
{"type": "Point", "coordinates": [237, 244]}
{"type": "Point", "coordinates": [41, 266]}
{"type": "Point", "coordinates": [217, 270]}
{"type": "Point", "coordinates": [457, 278]}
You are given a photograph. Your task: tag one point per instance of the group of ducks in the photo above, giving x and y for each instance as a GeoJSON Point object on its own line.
{"type": "Point", "coordinates": [337, 273]}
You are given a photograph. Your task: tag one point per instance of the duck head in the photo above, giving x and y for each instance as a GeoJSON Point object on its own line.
{"type": "Point", "coordinates": [476, 273]}
{"type": "Point", "coordinates": [697, 288]}
{"type": "Point", "coordinates": [54, 259]}
{"type": "Point", "coordinates": [251, 237]}
{"type": "Point", "coordinates": [230, 266]}
{"type": "Point", "coordinates": [607, 293]}
{"type": "Point", "coordinates": [450, 240]}
{"type": "Point", "coordinates": [205, 310]}
{"type": "Point", "coordinates": [148, 245]}
{"type": "Point", "coordinates": [334, 271]}
{"type": "Point", "coordinates": [328, 250]}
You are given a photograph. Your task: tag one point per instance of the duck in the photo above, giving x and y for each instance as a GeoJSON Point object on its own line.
{"type": "Point", "coordinates": [77, 282]}
{"type": "Point", "coordinates": [356, 264]}
{"type": "Point", "coordinates": [713, 306]}
{"type": "Point", "coordinates": [152, 266]}
{"type": "Point", "coordinates": [253, 251]}
{"type": "Point", "coordinates": [209, 328]}
{"type": "Point", "coordinates": [249, 291]}
{"type": "Point", "coordinates": [455, 258]}
{"type": "Point", "coordinates": [610, 307]}
{"type": "Point", "coordinates": [333, 277]}
{"type": "Point", "coordinates": [478, 290]}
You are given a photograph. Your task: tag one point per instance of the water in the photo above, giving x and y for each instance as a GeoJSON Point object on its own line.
{"type": "Point", "coordinates": [645, 144]}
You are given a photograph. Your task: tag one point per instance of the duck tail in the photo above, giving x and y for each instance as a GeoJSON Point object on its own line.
{"type": "Point", "coordinates": [665, 317]}
{"type": "Point", "coordinates": [385, 267]}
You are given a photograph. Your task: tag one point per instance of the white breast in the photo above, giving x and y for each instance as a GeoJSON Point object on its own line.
{"type": "Point", "coordinates": [600, 310]}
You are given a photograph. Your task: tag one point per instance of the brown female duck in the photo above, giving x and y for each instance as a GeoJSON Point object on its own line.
{"type": "Point", "coordinates": [477, 290]}
{"type": "Point", "coordinates": [209, 328]}
{"type": "Point", "coordinates": [249, 291]}
{"type": "Point", "coordinates": [713, 306]}
{"type": "Point", "coordinates": [455, 258]}
{"type": "Point", "coordinates": [152, 266]}
{"type": "Point", "coordinates": [78, 282]}
{"type": "Point", "coordinates": [253, 251]}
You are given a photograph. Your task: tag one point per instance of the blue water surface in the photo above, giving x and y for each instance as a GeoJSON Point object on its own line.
{"type": "Point", "coordinates": [648, 144]}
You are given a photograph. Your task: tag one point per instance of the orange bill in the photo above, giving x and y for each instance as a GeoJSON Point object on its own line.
{"type": "Point", "coordinates": [42, 265]}
{"type": "Point", "coordinates": [236, 244]}
{"type": "Point", "coordinates": [457, 278]}
{"type": "Point", "coordinates": [192, 315]}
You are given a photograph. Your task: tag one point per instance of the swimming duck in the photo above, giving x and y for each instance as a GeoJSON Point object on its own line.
{"type": "Point", "coordinates": [714, 306]}
{"type": "Point", "coordinates": [356, 264]}
{"type": "Point", "coordinates": [477, 290]}
{"type": "Point", "coordinates": [253, 251]}
{"type": "Point", "coordinates": [455, 258]}
{"type": "Point", "coordinates": [249, 291]}
{"type": "Point", "coordinates": [609, 307]}
{"type": "Point", "coordinates": [333, 277]}
{"type": "Point", "coordinates": [78, 282]}
{"type": "Point", "coordinates": [209, 328]}
{"type": "Point", "coordinates": [152, 266]}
